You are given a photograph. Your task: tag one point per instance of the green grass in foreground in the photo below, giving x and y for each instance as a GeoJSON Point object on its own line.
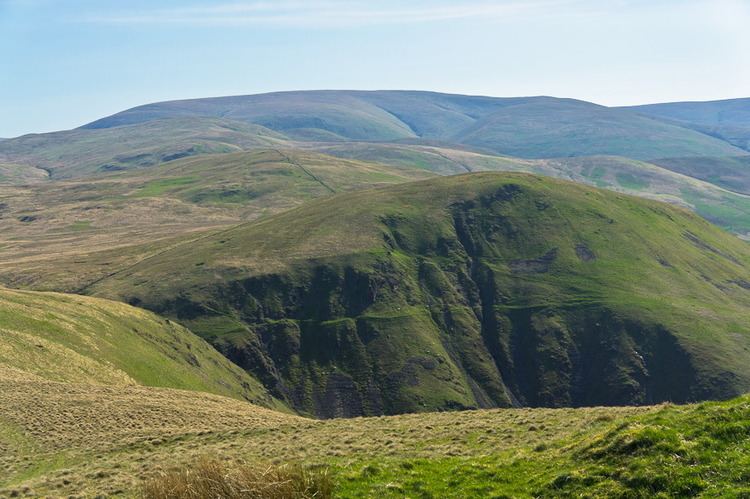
{"type": "Point", "coordinates": [670, 451]}
{"type": "Point", "coordinates": [690, 451]}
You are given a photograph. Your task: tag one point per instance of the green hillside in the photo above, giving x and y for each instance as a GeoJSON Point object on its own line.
{"type": "Point", "coordinates": [60, 235]}
{"type": "Point", "coordinates": [78, 339]}
{"type": "Point", "coordinates": [476, 290]}
{"type": "Point", "coordinates": [551, 128]}
{"type": "Point", "coordinates": [82, 153]}
{"type": "Point", "coordinates": [725, 119]}
{"type": "Point", "coordinates": [712, 187]}
{"type": "Point", "coordinates": [657, 180]}
{"type": "Point", "coordinates": [732, 173]}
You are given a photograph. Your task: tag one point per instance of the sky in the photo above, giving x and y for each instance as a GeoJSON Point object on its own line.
{"type": "Point", "coordinates": [64, 63]}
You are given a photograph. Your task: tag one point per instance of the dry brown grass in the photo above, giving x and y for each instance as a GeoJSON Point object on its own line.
{"type": "Point", "coordinates": [64, 234]}
{"type": "Point", "coordinates": [59, 439]}
{"type": "Point", "coordinates": [210, 478]}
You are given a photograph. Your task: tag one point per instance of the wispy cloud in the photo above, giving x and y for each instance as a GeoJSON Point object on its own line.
{"type": "Point", "coordinates": [325, 13]}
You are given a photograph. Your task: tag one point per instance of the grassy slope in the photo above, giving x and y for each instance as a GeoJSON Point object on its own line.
{"type": "Point", "coordinates": [61, 439]}
{"type": "Point", "coordinates": [79, 339]}
{"type": "Point", "coordinates": [710, 186]}
{"type": "Point", "coordinates": [63, 234]}
{"type": "Point", "coordinates": [693, 451]}
{"type": "Point", "coordinates": [732, 173]}
{"type": "Point", "coordinates": [709, 197]}
{"type": "Point", "coordinates": [550, 259]}
{"type": "Point", "coordinates": [560, 127]}
{"type": "Point", "coordinates": [20, 174]}
{"type": "Point", "coordinates": [65, 438]}
{"type": "Point", "coordinates": [342, 114]}
{"type": "Point", "coordinates": [529, 127]}
{"type": "Point", "coordinates": [726, 119]}
{"type": "Point", "coordinates": [82, 153]}
{"type": "Point", "coordinates": [100, 224]}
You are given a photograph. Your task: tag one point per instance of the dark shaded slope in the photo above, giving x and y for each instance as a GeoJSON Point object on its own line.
{"type": "Point", "coordinates": [475, 290]}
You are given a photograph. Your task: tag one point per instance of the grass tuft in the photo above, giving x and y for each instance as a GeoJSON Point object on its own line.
{"type": "Point", "coordinates": [211, 478]}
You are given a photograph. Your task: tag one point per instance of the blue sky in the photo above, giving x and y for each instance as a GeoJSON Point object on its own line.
{"type": "Point", "coordinates": [66, 62]}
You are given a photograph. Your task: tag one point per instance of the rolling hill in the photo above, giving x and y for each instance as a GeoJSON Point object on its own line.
{"type": "Point", "coordinates": [725, 119]}
{"type": "Point", "coordinates": [60, 235]}
{"type": "Point", "coordinates": [732, 173]}
{"type": "Point", "coordinates": [476, 290]}
{"type": "Point", "coordinates": [82, 153]}
{"type": "Point", "coordinates": [533, 127]}
{"type": "Point", "coordinates": [712, 187]}
{"type": "Point", "coordinates": [63, 234]}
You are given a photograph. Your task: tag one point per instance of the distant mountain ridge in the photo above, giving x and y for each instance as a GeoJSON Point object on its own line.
{"type": "Point", "coordinates": [531, 127]}
{"type": "Point", "coordinates": [727, 119]}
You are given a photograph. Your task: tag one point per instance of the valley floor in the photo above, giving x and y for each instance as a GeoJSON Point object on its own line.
{"type": "Point", "coordinates": [59, 439]}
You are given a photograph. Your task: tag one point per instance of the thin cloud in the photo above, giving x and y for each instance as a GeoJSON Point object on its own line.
{"type": "Point", "coordinates": [324, 14]}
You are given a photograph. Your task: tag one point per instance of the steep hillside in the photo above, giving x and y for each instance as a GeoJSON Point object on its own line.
{"type": "Point", "coordinates": [725, 119]}
{"type": "Point", "coordinates": [58, 337]}
{"type": "Point", "coordinates": [62, 235]}
{"type": "Point", "coordinates": [534, 127]}
{"type": "Point", "coordinates": [473, 290]}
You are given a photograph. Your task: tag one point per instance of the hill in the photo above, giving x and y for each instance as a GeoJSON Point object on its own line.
{"type": "Point", "coordinates": [476, 290]}
{"type": "Point", "coordinates": [533, 127]}
{"type": "Point", "coordinates": [82, 153]}
{"type": "Point", "coordinates": [725, 119]}
{"type": "Point", "coordinates": [61, 235]}
{"type": "Point", "coordinates": [732, 173]}
{"type": "Point", "coordinates": [70, 338]}
{"type": "Point", "coordinates": [712, 187]}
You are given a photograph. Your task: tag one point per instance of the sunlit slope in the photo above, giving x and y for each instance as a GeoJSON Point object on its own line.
{"type": "Point", "coordinates": [62, 235]}
{"type": "Point", "coordinates": [715, 188]}
{"type": "Point", "coordinates": [473, 290]}
{"type": "Point", "coordinates": [66, 438]}
{"type": "Point", "coordinates": [63, 439]}
{"type": "Point", "coordinates": [78, 339]}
